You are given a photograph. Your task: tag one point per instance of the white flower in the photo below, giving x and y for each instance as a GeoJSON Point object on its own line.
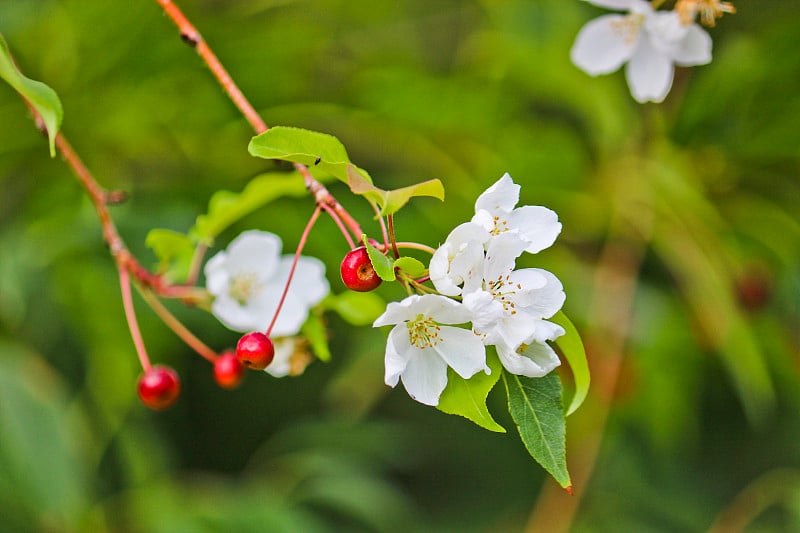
{"type": "Point", "coordinates": [291, 357]}
{"type": "Point", "coordinates": [247, 281]}
{"type": "Point", "coordinates": [498, 225]}
{"type": "Point", "coordinates": [420, 347]}
{"type": "Point", "coordinates": [459, 261]}
{"type": "Point", "coordinates": [510, 309]}
{"type": "Point", "coordinates": [651, 42]}
{"type": "Point", "coordinates": [496, 212]}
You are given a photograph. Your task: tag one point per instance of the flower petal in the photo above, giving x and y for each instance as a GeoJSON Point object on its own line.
{"type": "Point", "coordinates": [649, 73]}
{"type": "Point", "coordinates": [604, 44]}
{"type": "Point", "coordinates": [237, 317]}
{"type": "Point", "coordinates": [537, 225]}
{"type": "Point", "coordinates": [535, 361]}
{"type": "Point", "coordinates": [281, 364]}
{"type": "Point", "coordinates": [694, 49]}
{"type": "Point", "coordinates": [425, 376]}
{"type": "Point", "coordinates": [254, 251]}
{"type": "Point", "coordinates": [622, 5]}
{"type": "Point", "coordinates": [309, 283]}
{"type": "Point", "coordinates": [545, 301]}
{"type": "Point", "coordinates": [501, 254]}
{"type": "Point", "coordinates": [501, 196]}
{"type": "Point", "coordinates": [397, 354]}
{"type": "Point", "coordinates": [217, 277]}
{"type": "Point", "coordinates": [462, 350]}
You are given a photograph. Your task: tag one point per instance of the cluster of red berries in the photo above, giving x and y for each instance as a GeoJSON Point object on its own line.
{"type": "Point", "coordinates": [160, 386]}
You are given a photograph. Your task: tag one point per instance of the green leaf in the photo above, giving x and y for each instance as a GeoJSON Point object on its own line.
{"type": "Point", "coordinates": [226, 208]}
{"type": "Point", "coordinates": [314, 149]}
{"type": "Point", "coordinates": [383, 266]}
{"type": "Point", "coordinates": [571, 347]}
{"type": "Point", "coordinates": [391, 201]}
{"type": "Point", "coordinates": [174, 251]}
{"type": "Point", "coordinates": [357, 308]}
{"type": "Point", "coordinates": [535, 406]}
{"type": "Point", "coordinates": [40, 96]}
{"type": "Point", "coordinates": [314, 330]}
{"type": "Point", "coordinates": [409, 265]}
{"type": "Point", "coordinates": [467, 397]}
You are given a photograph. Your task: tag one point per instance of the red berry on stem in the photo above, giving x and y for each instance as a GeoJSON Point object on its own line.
{"type": "Point", "coordinates": [255, 350]}
{"type": "Point", "coordinates": [228, 371]}
{"type": "Point", "coordinates": [357, 271]}
{"type": "Point", "coordinates": [159, 387]}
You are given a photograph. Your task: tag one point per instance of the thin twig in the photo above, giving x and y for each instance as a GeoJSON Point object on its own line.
{"type": "Point", "coordinates": [130, 314]}
{"type": "Point", "coordinates": [177, 326]}
{"type": "Point", "coordinates": [300, 246]}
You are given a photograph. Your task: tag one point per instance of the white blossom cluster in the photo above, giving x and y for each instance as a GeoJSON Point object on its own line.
{"type": "Point", "coordinates": [506, 307]}
{"type": "Point", "coordinates": [649, 42]}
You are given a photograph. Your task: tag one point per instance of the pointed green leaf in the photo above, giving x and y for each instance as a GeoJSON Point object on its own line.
{"type": "Point", "coordinates": [570, 346]}
{"type": "Point", "coordinates": [391, 201]}
{"type": "Point", "coordinates": [40, 96]}
{"type": "Point", "coordinates": [383, 266]}
{"type": "Point", "coordinates": [314, 330]}
{"type": "Point", "coordinates": [226, 207]}
{"type": "Point", "coordinates": [409, 265]}
{"type": "Point", "coordinates": [174, 251]}
{"type": "Point", "coordinates": [535, 406]}
{"type": "Point", "coordinates": [357, 308]}
{"type": "Point", "coordinates": [314, 149]}
{"type": "Point", "coordinates": [467, 397]}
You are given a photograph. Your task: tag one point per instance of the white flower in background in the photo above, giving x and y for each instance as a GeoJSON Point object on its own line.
{"type": "Point", "coordinates": [248, 278]}
{"type": "Point", "coordinates": [650, 42]}
{"type": "Point", "coordinates": [421, 346]}
{"type": "Point", "coordinates": [496, 211]}
{"type": "Point", "coordinates": [291, 357]}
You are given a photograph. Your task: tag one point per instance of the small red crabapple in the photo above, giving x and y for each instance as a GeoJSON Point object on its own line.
{"type": "Point", "coordinates": [159, 387]}
{"type": "Point", "coordinates": [357, 271]}
{"type": "Point", "coordinates": [255, 350]}
{"type": "Point", "coordinates": [228, 370]}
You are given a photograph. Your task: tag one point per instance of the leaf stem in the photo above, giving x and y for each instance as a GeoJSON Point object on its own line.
{"type": "Point", "coordinates": [390, 221]}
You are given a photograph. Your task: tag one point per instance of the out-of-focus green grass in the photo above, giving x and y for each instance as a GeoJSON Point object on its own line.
{"type": "Point", "coordinates": [462, 91]}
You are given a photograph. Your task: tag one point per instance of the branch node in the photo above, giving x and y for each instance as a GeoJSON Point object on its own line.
{"type": "Point", "coordinates": [192, 38]}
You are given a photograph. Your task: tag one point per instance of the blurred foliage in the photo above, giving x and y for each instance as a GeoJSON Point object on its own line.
{"type": "Point", "coordinates": [706, 185]}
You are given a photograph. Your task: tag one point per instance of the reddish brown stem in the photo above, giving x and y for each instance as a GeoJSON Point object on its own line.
{"type": "Point", "coordinates": [192, 37]}
{"type": "Point", "coordinates": [300, 246]}
{"type": "Point", "coordinates": [390, 221]}
{"type": "Point", "coordinates": [130, 315]}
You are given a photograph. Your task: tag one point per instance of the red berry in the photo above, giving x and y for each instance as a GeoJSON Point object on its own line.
{"type": "Point", "coordinates": [357, 271]}
{"type": "Point", "coordinates": [159, 387]}
{"type": "Point", "coordinates": [228, 371]}
{"type": "Point", "coordinates": [255, 350]}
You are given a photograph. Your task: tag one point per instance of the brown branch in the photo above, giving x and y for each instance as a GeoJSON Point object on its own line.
{"type": "Point", "coordinates": [191, 36]}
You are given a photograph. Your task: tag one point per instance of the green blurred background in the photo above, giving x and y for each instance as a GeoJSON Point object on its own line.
{"type": "Point", "coordinates": [680, 256]}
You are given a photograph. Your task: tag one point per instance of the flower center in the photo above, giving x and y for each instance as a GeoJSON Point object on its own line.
{"type": "Point", "coordinates": [423, 332]}
{"type": "Point", "coordinates": [503, 290]}
{"type": "Point", "coordinates": [243, 287]}
{"type": "Point", "coordinates": [628, 27]}
{"type": "Point", "coordinates": [709, 10]}
{"type": "Point", "coordinates": [500, 225]}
